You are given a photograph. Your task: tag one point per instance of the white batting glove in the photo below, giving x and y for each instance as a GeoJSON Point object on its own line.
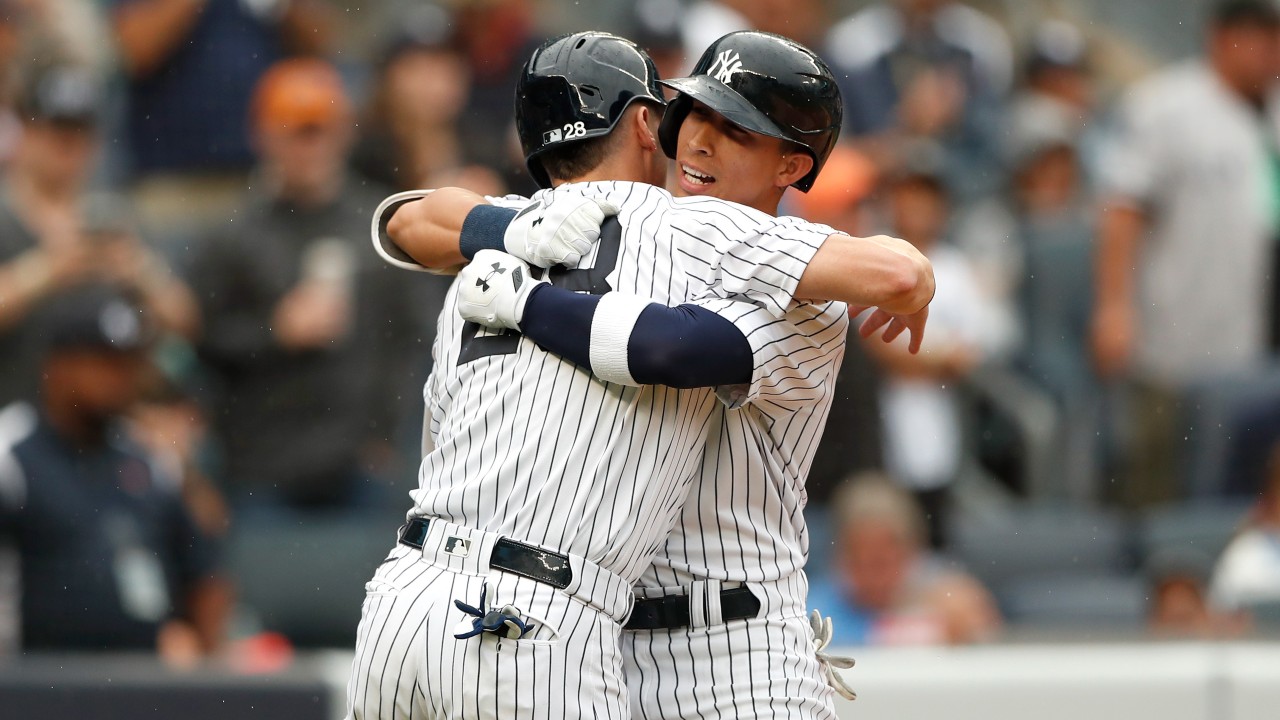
{"type": "Point", "coordinates": [557, 230]}
{"type": "Point", "coordinates": [494, 288]}
{"type": "Point", "coordinates": [822, 637]}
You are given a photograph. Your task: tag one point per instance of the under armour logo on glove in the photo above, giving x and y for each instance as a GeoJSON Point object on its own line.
{"type": "Point", "coordinates": [483, 283]}
{"type": "Point", "coordinates": [494, 288]}
{"type": "Point", "coordinates": [821, 639]}
{"type": "Point", "coordinates": [505, 622]}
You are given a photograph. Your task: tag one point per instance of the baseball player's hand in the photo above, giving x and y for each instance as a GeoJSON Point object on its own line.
{"type": "Point", "coordinates": [557, 230]}
{"type": "Point", "coordinates": [896, 325]}
{"type": "Point", "coordinates": [821, 638]}
{"type": "Point", "coordinates": [494, 288]}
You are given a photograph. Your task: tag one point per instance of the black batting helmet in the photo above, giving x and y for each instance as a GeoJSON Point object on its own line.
{"type": "Point", "coordinates": [577, 87]}
{"type": "Point", "coordinates": [767, 84]}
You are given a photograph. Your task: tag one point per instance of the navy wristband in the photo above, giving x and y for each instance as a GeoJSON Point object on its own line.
{"type": "Point", "coordinates": [483, 229]}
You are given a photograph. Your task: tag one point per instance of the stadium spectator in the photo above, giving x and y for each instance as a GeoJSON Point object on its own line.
{"type": "Point", "coordinates": [931, 72]}
{"type": "Point", "coordinates": [310, 337]}
{"type": "Point", "coordinates": [109, 558]}
{"type": "Point", "coordinates": [54, 234]}
{"type": "Point", "coordinates": [410, 137]}
{"type": "Point", "coordinates": [1178, 598]}
{"type": "Point", "coordinates": [495, 37]}
{"type": "Point", "coordinates": [919, 399]}
{"type": "Point", "coordinates": [1032, 247]}
{"type": "Point", "coordinates": [885, 588]}
{"type": "Point", "coordinates": [190, 67]}
{"type": "Point", "coordinates": [1247, 575]}
{"type": "Point", "coordinates": [1182, 261]}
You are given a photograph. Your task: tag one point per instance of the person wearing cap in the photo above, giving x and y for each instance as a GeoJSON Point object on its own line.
{"type": "Point", "coordinates": [1185, 239]}
{"type": "Point", "coordinates": [54, 233]}
{"type": "Point", "coordinates": [307, 336]}
{"type": "Point", "coordinates": [107, 556]}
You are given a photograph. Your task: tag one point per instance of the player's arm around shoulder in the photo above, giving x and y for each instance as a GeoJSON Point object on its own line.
{"type": "Point", "coordinates": [441, 230]}
{"type": "Point", "coordinates": [420, 229]}
{"type": "Point", "coordinates": [877, 271]}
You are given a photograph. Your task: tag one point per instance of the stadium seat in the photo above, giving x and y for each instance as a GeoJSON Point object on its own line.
{"type": "Point", "coordinates": [306, 579]}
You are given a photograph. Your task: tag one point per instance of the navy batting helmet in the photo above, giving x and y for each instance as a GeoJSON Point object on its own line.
{"type": "Point", "coordinates": [576, 87]}
{"type": "Point", "coordinates": [767, 84]}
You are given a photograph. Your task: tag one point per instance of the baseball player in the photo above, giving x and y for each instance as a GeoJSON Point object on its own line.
{"type": "Point", "coordinates": [720, 628]}
{"type": "Point", "coordinates": [519, 554]}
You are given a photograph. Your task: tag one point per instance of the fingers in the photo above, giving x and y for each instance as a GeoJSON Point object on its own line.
{"type": "Point", "coordinates": [874, 322]}
{"type": "Point", "coordinates": [896, 328]}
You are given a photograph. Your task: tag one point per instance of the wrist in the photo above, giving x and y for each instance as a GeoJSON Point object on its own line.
{"type": "Point", "coordinates": [524, 302]}
{"type": "Point", "coordinates": [485, 228]}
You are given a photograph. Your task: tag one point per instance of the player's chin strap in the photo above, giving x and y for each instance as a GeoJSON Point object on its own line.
{"type": "Point", "coordinates": [505, 622]}
{"type": "Point", "coordinates": [822, 637]}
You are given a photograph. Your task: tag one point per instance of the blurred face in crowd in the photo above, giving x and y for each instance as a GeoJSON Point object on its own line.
{"type": "Point", "coordinates": [1247, 55]}
{"type": "Point", "coordinates": [99, 384]}
{"type": "Point", "coordinates": [918, 210]}
{"type": "Point", "coordinates": [57, 155]}
{"type": "Point", "coordinates": [1179, 607]}
{"type": "Point", "coordinates": [425, 88]}
{"type": "Point", "coordinates": [303, 129]}
{"type": "Point", "coordinates": [876, 558]}
{"type": "Point", "coordinates": [305, 159]}
{"type": "Point", "coordinates": [1050, 180]}
{"type": "Point", "coordinates": [719, 159]}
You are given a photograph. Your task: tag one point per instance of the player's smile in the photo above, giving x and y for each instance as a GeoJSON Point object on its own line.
{"type": "Point", "coordinates": [693, 180]}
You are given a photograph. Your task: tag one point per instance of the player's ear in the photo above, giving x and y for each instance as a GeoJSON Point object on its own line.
{"type": "Point", "coordinates": [645, 126]}
{"type": "Point", "coordinates": [793, 166]}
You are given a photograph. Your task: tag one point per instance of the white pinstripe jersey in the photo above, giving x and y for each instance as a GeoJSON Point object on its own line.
{"type": "Point", "coordinates": [531, 446]}
{"type": "Point", "coordinates": [743, 519]}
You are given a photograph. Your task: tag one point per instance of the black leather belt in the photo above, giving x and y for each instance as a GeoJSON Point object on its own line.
{"type": "Point", "coordinates": [672, 611]}
{"type": "Point", "coordinates": [528, 561]}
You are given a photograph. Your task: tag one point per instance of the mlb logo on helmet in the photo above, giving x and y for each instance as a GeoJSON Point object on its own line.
{"type": "Point", "coordinates": [552, 136]}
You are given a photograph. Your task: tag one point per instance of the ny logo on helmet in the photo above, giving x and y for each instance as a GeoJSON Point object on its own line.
{"type": "Point", "coordinates": [727, 63]}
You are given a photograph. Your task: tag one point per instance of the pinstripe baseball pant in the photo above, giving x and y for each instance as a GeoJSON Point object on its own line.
{"type": "Point", "coordinates": [408, 664]}
{"type": "Point", "coordinates": [761, 667]}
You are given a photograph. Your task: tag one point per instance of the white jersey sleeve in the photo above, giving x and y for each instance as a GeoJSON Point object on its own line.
{"type": "Point", "coordinates": [749, 256]}
{"type": "Point", "coordinates": [792, 355]}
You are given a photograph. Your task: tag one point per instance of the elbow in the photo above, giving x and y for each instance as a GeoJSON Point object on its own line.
{"type": "Point", "coordinates": [657, 364]}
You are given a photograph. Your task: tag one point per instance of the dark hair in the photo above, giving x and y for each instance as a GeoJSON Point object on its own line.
{"type": "Point", "coordinates": [573, 160]}
{"type": "Point", "coordinates": [1235, 13]}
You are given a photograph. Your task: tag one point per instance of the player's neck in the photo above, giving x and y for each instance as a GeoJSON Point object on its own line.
{"type": "Point", "coordinates": [616, 168]}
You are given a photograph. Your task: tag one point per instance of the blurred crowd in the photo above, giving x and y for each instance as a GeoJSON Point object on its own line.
{"type": "Point", "coordinates": [197, 343]}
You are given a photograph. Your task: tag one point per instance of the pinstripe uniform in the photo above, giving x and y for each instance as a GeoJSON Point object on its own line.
{"type": "Point", "coordinates": [529, 447]}
{"type": "Point", "coordinates": [743, 524]}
